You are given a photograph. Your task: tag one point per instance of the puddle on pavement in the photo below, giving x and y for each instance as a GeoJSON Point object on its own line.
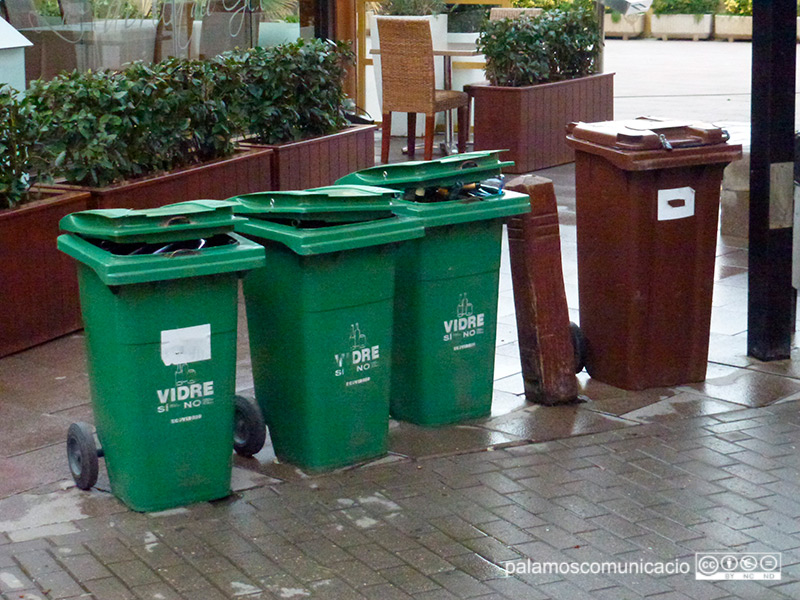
{"type": "Point", "coordinates": [27, 511]}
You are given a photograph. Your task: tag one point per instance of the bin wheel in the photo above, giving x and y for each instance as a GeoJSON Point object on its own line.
{"type": "Point", "coordinates": [249, 430]}
{"type": "Point", "coordinates": [82, 455]}
{"type": "Point", "coordinates": [578, 346]}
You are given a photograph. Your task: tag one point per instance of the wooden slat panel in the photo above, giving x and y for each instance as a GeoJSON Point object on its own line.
{"type": "Point", "coordinates": [31, 267]}
{"type": "Point", "coordinates": [320, 161]}
{"type": "Point", "coordinates": [315, 165]}
{"type": "Point", "coordinates": [540, 113]}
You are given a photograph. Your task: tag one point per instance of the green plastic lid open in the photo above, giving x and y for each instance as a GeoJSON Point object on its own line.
{"type": "Point", "coordinates": [182, 221]}
{"type": "Point", "coordinates": [458, 169]}
{"type": "Point", "coordinates": [345, 203]}
{"type": "Point", "coordinates": [326, 219]}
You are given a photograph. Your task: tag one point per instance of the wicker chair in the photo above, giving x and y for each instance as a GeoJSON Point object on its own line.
{"type": "Point", "coordinates": [409, 83]}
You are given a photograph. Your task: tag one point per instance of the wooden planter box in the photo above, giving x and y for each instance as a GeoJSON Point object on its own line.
{"type": "Point", "coordinates": [681, 27]}
{"type": "Point", "coordinates": [320, 161]}
{"type": "Point", "coordinates": [733, 27]}
{"type": "Point", "coordinates": [530, 121]}
{"type": "Point", "coordinates": [39, 286]}
{"type": "Point", "coordinates": [249, 170]}
{"type": "Point", "coordinates": [625, 28]}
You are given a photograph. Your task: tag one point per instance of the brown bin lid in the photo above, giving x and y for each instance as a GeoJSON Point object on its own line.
{"type": "Point", "coordinates": [648, 142]}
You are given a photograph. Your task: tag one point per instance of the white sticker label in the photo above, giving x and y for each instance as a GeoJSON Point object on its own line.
{"type": "Point", "coordinates": [186, 345]}
{"type": "Point", "coordinates": [675, 203]}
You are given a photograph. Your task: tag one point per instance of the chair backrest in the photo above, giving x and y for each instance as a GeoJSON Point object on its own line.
{"type": "Point", "coordinates": [407, 64]}
{"type": "Point", "coordinates": [495, 14]}
{"type": "Point", "coordinates": [22, 14]}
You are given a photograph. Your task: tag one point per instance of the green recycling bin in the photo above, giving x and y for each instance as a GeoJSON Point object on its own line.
{"type": "Point", "coordinates": [158, 293]}
{"type": "Point", "coordinates": [320, 319]}
{"type": "Point", "coordinates": [447, 284]}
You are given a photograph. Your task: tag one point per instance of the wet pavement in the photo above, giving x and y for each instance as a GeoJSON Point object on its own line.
{"type": "Point", "coordinates": [467, 511]}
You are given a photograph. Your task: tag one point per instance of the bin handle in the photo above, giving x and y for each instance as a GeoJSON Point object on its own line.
{"type": "Point", "coordinates": [167, 252]}
{"type": "Point", "coordinates": [181, 252]}
{"type": "Point", "coordinates": [179, 220]}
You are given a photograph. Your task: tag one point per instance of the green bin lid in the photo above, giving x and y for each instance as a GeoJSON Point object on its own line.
{"type": "Point", "coordinates": [239, 256]}
{"type": "Point", "coordinates": [336, 237]}
{"type": "Point", "coordinates": [345, 203]}
{"type": "Point", "coordinates": [326, 219]}
{"type": "Point", "coordinates": [470, 167]}
{"type": "Point", "coordinates": [175, 222]}
{"type": "Point", "coordinates": [436, 214]}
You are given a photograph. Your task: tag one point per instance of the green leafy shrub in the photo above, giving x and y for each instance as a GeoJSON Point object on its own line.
{"type": "Point", "coordinates": [739, 7]}
{"type": "Point", "coordinates": [551, 4]}
{"type": "Point", "coordinates": [412, 7]}
{"type": "Point", "coordinates": [85, 126]}
{"type": "Point", "coordinates": [47, 8]}
{"type": "Point", "coordinates": [319, 73]}
{"type": "Point", "coordinates": [685, 7]}
{"type": "Point", "coordinates": [116, 9]}
{"type": "Point", "coordinates": [97, 128]}
{"type": "Point", "coordinates": [466, 18]}
{"type": "Point", "coordinates": [562, 43]}
{"type": "Point", "coordinates": [545, 4]}
{"type": "Point", "coordinates": [18, 137]}
{"type": "Point", "coordinates": [292, 91]}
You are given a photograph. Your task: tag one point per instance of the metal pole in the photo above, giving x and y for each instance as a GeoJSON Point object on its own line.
{"type": "Point", "coordinates": [601, 11]}
{"type": "Point", "coordinates": [771, 297]}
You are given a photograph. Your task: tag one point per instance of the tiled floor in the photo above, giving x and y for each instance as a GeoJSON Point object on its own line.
{"type": "Point", "coordinates": [623, 477]}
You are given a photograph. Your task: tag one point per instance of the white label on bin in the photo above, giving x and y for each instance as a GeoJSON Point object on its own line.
{"type": "Point", "coordinates": [186, 345]}
{"type": "Point", "coordinates": [675, 203]}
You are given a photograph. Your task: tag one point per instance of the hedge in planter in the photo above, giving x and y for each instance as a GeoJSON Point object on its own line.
{"type": "Point", "coordinates": [736, 23]}
{"type": "Point", "coordinates": [293, 102]}
{"type": "Point", "coordinates": [40, 292]}
{"type": "Point", "coordinates": [137, 138]}
{"type": "Point", "coordinates": [541, 77]}
{"type": "Point", "coordinates": [617, 25]}
{"type": "Point", "coordinates": [690, 19]}
{"type": "Point", "coordinates": [110, 129]}
{"type": "Point", "coordinates": [103, 127]}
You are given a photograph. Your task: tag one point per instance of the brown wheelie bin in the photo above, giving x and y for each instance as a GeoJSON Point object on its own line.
{"type": "Point", "coordinates": [647, 201]}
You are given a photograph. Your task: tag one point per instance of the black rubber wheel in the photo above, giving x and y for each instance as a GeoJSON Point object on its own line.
{"type": "Point", "coordinates": [82, 455]}
{"type": "Point", "coordinates": [578, 346]}
{"type": "Point", "coordinates": [249, 430]}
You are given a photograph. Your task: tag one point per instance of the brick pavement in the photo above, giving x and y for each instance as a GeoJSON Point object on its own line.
{"type": "Point", "coordinates": [445, 528]}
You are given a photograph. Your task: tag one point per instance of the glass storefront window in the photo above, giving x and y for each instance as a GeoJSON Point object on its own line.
{"type": "Point", "coordinates": [107, 34]}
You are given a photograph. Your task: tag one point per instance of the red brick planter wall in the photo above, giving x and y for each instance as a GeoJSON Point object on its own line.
{"type": "Point", "coordinates": [530, 121]}
{"type": "Point", "coordinates": [39, 286]}
{"type": "Point", "coordinates": [322, 160]}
